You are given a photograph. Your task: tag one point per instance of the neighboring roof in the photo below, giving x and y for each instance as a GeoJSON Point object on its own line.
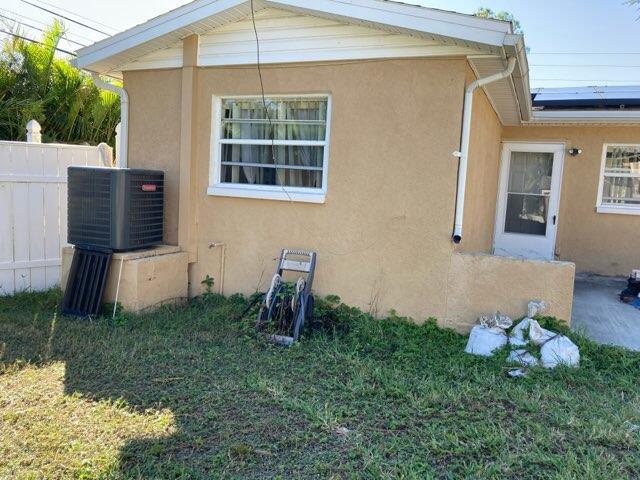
{"type": "Point", "coordinates": [586, 105]}
{"type": "Point", "coordinates": [610, 98]}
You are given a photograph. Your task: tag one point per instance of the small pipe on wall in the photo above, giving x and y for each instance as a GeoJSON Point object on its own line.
{"type": "Point", "coordinates": [463, 154]}
{"type": "Point", "coordinates": [121, 156]}
{"type": "Point", "coordinates": [223, 255]}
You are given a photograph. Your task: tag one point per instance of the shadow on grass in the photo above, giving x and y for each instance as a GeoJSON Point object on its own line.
{"type": "Point", "coordinates": [388, 399]}
{"type": "Point", "coordinates": [221, 385]}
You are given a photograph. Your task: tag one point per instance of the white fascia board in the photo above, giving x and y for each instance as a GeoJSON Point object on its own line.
{"type": "Point", "coordinates": [175, 19]}
{"type": "Point", "coordinates": [408, 17]}
{"type": "Point", "coordinates": [585, 116]}
{"type": "Point", "coordinates": [514, 46]}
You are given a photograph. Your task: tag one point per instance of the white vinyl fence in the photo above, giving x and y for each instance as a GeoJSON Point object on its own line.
{"type": "Point", "coordinates": [33, 208]}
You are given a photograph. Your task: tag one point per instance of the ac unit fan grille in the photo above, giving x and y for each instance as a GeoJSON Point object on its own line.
{"type": "Point", "coordinates": [89, 208]}
{"type": "Point", "coordinates": [146, 210]}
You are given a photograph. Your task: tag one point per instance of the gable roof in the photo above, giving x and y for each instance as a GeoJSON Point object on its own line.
{"type": "Point", "coordinates": [486, 42]}
{"type": "Point", "coordinates": [202, 16]}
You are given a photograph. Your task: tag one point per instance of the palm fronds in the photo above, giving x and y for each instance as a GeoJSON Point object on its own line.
{"type": "Point", "coordinates": [36, 83]}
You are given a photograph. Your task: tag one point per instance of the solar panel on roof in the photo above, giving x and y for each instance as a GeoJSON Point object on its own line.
{"type": "Point", "coordinates": [623, 96]}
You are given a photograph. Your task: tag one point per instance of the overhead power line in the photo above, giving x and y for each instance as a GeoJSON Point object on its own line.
{"type": "Point", "coordinates": [78, 15]}
{"type": "Point", "coordinates": [20, 17]}
{"type": "Point", "coordinates": [18, 22]}
{"type": "Point", "coordinates": [27, 39]}
{"type": "Point", "coordinates": [61, 50]}
{"type": "Point", "coordinates": [66, 18]}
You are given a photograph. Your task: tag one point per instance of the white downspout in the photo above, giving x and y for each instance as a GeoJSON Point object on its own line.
{"type": "Point", "coordinates": [464, 143]}
{"type": "Point", "coordinates": [121, 155]}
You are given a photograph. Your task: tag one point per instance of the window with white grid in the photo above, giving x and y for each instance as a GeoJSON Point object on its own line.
{"type": "Point", "coordinates": [274, 148]}
{"type": "Point", "coordinates": [619, 190]}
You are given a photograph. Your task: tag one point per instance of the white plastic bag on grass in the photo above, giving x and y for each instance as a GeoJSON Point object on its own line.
{"type": "Point", "coordinates": [536, 307]}
{"type": "Point", "coordinates": [559, 351]}
{"type": "Point", "coordinates": [539, 335]}
{"type": "Point", "coordinates": [484, 341]}
{"type": "Point", "coordinates": [496, 320]}
{"type": "Point", "coordinates": [517, 335]}
{"type": "Point", "coordinates": [523, 358]}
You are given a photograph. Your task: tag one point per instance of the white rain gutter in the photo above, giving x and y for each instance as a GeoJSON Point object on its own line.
{"type": "Point", "coordinates": [121, 156]}
{"type": "Point", "coordinates": [464, 143]}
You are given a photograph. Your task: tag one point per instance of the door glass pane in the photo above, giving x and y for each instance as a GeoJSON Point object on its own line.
{"type": "Point", "coordinates": [530, 172]}
{"type": "Point", "coordinates": [528, 193]}
{"type": "Point", "coordinates": [526, 214]}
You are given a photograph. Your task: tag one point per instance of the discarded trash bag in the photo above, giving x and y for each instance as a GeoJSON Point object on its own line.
{"type": "Point", "coordinates": [517, 334]}
{"type": "Point", "coordinates": [496, 320]}
{"type": "Point", "coordinates": [484, 341]}
{"type": "Point", "coordinates": [517, 372]}
{"type": "Point", "coordinates": [559, 351]}
{"type": "Point", "coordinates": [522, 357]}
{"type": "Point", "coordinates": [539, 335]}
{"type": "Point", "coordinates": [536, 307]}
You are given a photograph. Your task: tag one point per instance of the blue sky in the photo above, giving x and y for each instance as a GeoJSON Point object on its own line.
{"type": "Point", "coordinates": [572, 42]}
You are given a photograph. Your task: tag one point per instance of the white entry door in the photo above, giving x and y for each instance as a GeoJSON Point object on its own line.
{"type": "Point", "coordinates": [528, 199]}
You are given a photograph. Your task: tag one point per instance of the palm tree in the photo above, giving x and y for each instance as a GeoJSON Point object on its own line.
{"type": "Point", "coordinates": [37, 83]}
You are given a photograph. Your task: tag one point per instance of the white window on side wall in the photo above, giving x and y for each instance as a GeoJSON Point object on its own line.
{"type": "Point", "coordinates": [278, 153]}
{"type": "Point", "coordinates": [619, 190]}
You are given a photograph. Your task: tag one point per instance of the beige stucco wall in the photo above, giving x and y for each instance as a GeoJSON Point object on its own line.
{"type": "Point", "coordinates": [603, 243]}
{"type": "Point", "coordinates": [482, 175]}
{"type": "Point", "coordinates": [383, 235]}
{"type": "Point", "coordinates": [154, 133]}
{"type": "Point", "coordinates": [480, 284]}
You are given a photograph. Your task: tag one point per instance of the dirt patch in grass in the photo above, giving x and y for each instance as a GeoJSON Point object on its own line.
{"type": "Point", "coordinates": [189, 392]}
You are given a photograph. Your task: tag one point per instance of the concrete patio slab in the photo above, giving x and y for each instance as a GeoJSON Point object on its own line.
{"type": "Point", "coordinates": [600, 315]}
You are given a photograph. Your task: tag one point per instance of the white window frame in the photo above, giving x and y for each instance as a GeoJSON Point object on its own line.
{"type": "Point", "coordinates": [608, 208]}
{"type": "Point", "coordinates": [266, 192]}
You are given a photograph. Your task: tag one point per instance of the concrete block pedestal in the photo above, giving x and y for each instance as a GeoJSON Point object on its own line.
{"type": "Point", "coordinates": [150, 277]}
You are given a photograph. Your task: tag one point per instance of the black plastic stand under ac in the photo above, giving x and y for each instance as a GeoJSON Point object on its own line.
{"type": "Point", "coordinates": [86, 282]}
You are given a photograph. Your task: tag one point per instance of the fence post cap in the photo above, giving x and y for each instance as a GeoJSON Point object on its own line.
{"type": "Point", "coordinates": [106, 154]}
{"type": "Point", "coordinates": [33, 126]}
{"type": "Point", "coordinates": [33, 131]}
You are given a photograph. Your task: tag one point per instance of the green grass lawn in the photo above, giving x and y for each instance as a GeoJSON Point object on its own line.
{"type": "Point", "coordinates": [189, 392]}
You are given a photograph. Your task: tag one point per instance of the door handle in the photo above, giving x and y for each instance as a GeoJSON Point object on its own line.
{"type": "Point", "coordinates": [554, 219]}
